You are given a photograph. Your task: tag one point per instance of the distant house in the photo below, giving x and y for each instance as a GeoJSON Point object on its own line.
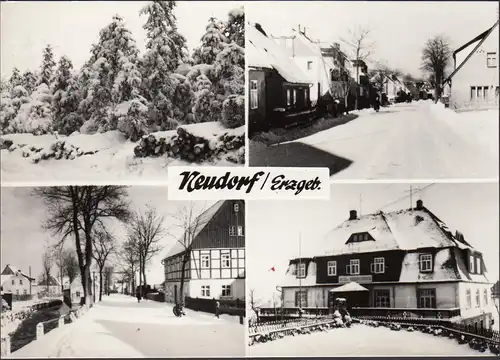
{"type": "Point", "coordinates": [279, 91]}
{"type": "Point", "coordinates": [216, 266]}
{"type": "Point", "coordinates": [412, 89]}
{"type": "Point", "coordinates": [49, 287]}
{"type": "Point", "coordinates": [474, 81]}
{"type": "Point", "coordinates": [16, 282]}
{"type": "Point", "coordinates": [407, 261]}
{"type": "Point", "coordinates": [75, 287]}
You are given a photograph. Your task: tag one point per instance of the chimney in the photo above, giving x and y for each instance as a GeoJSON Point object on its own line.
{"type": "Point", "coordinates": [420, 204]}
{"type": "Point", "coordinates": [353, 215]}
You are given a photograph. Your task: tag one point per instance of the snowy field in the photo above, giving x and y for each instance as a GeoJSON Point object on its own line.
{"type": "Point", "coordinates": [361, 340]}
{"type": "Point", "coordinates": [420, 140]}
{"type": "Point", "coordinates": [114, 161]}
{"type": "Point", "coordinates": [119, 326]}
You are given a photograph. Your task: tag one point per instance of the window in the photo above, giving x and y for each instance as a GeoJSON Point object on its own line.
{"type": "Point", "coordinates": [478, 265]}
{"type": "Point", "coordinates": [485, 297]}
{"type": "Point", "coordinates": [353, 267]}
{"type": "Point", "coordinates": [491, 59]}
{"type": "Point", "coordinates": [20, 281]}
{"type": "Point", "coordinates": [205, 290]}
{"type": "Point", "coordinates": [358, 237]}
{"type": "Point", "coordinates": [378, 266]}
{"type": "Point", "coordinates": [240, 230]}
{"type": "Point", "coordinates": [332, 268]}
{"type": "Point", "coordinates": [309, 65]}
{"type": "Point", "coordinates": [471, 263]}
{"type": "Point", "coordinates": [301, 299]}
{"type": "Point", "coordinates": [205, 261]}
{"type": "Point", "coordinates": [17, 292]}
{"type": "Point", "coordinates": [25, 292]}
{"type": "Point", "coordinates": [254, 96]}
{"type": "Point", "coordinates": [306, 96]}
{"type": "Point", "coordinates": [13, 282]}
{"type": "Point", "coordinates": [226, 290]}
{"type": "Point", "coordinates": [427, 298]}
{"type": "Point", "coordinates": [382, 298]}
{"type": "Point", "coordinates": [288, 97]}
{"type": "Point", "coordinates": [468, 298]}
{"type": "Point", "coordinates": [77, 294]}
{"type": "Point", "coordinates": [425, 263]}
{"type": "Point", "coordinates": [236, 208]}
{"type": "Point", "coordinates": [225, 261]}
{"type": "Point", "coordinates": [232, 231]}
{"type": "Point", "coordinates": [478, 298]}
{"type": "Point", "coordinates": [294, 99]}
{"type": "Point", "coordinates": [301, 271]}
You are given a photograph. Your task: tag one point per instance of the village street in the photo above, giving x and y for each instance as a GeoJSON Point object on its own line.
{"type": "Point", "coordinates": [419, 140]}
{"type": "Point", "coordinates": [119, 326]}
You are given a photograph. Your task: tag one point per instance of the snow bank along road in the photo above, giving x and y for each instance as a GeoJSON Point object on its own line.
{"type": "Point", "coordinates": [120, 327]}
{"type": "Point", "coordinates": [361, 340]}
{"type": "Point", "coordinates": [405, 141]}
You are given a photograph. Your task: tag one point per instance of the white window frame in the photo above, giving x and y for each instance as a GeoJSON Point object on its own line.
{"type": "Point", "coordinates": [226, 291]}
{"type": "Point", "coordinates": [471, 264]}
{"type": "Point", "coordinates": [225, 261]}
{"type": "Point", "coordinates": [232, 230]}
{"type": "Point", "coordinates": [309, 65]}
{"type": "Point", "coordinates": [354, 263]}
{"type": "Point", "coordinates": [489, 57]}
{"type": "Point", "coordinates": [240, 230]}
{"type": "Point", "coordinates": [294, 97]}
{"type": "Point", "coordinates": [301, 270]}
{"type": "Point", "coordinates": [254, 94]}
{"type": "Point", "coordinates": [425, 263]}
{"type": "Point", "coordinates": [331, 268]}
{"type": "Point", "coordinates": [468, 298]}
{"type": "Point", "coordinates": [288, 97]}
{"type": "Point", "coordinates": [378, 265]}
{"type": "Point", "coordinates": [205, 290]}
{"type": "Point", "coordinates": [431, 294]}
{"type": "Point", "coordinates": [485, 295]}
{"type": "Point", "coordinates": [205, 261]}
{"type": "Point", "coordinates": [478, 298]}
{"type": "Point", "coordinates": [477, 264]}
{"type": "Point", "coordinates": [382, 301]}
{"type": "Point", "coordinates": [306, 97]}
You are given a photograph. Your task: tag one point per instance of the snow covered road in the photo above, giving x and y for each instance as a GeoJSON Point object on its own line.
{"type": "Point", "coordinates": [363, 340]}
{"type": "Point", "coordinates": [120, 327]}
{"type": "Point", "coordinates": [405, 141]}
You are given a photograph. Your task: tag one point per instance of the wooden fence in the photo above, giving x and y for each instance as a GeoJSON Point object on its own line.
{"type": "Point", "coordinates": [230, 307]}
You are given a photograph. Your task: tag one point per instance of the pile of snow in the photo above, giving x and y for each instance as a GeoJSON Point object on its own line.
{"type": "Point", "coordinates": [11, 319]}
{"type": "Point", "coordinates": [196, 143]}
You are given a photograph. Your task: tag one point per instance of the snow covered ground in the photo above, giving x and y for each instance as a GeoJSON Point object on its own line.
{"type": "Point", "coordinates": [120, 327]}
{"type": "Point", "coordinates": [405, 141]}
{"type": "Point", "coordinates": [361, 340]}
{"type": "Point", "coordinates": [114, 162]}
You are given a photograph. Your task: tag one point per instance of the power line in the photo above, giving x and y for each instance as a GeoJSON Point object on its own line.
{"type": "Point", "coordinates": [406, 196]}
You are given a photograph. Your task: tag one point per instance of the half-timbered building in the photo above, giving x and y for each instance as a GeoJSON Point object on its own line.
{"type": "Point", "coordinates": [215, 267]}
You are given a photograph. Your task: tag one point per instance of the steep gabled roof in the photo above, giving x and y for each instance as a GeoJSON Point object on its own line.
{"type": "Point", "coordinates": [409, 229]}
{"type": "Point", "coordinates": [481, 38]}
{"type": "Point", "coordinates": [12, 270]}
{"type": "Point", "coordinates": [52, 281]}
{"type": "Point", "coordinates": [203, 219]}
{"type": "Point", "coordinates": [264, 52]}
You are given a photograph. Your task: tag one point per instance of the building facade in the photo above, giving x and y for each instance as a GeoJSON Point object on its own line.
{"type": "Point", "coordinates": [474, 83]}
{"type": "Point", "coordinates": [409, 262]}
{"type": "Point", "coordinates": [49, 287]}
{"type": "Point", "coordinates": [16, 282]}
{"type": "Point", "coordinates": [214, 261]}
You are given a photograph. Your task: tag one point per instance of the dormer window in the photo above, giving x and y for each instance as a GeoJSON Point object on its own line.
{"type": "Point", "coordinates": [359, 237]}
{"type": "Point", "coordinates": [301, 270]}
{"type": "Point", "coordinates": [236, 208]}
{"type": "Point", "coordinates": [425, 263]}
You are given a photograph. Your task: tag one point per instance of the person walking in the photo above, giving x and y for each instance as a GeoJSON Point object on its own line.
{"type": "Point", "coordinates": [138, 294]}
{"type": "Point", "coordinates": [217, 309]}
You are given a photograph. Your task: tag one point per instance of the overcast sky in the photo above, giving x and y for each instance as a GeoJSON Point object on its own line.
{"type": "Point", "coordinates": [399, 29]}
{"type": "Point", "coordinates": [71, 27]}
{"type": "Point", "coordinates": [24, 240]}
{"type": "Point", "coordinates": [273, 227]}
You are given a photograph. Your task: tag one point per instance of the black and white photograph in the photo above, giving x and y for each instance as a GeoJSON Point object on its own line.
{"type": "Point", "coordinates": [114, 271]}
{"type": "Point", "coordinates": [379, 270]}
{"type": "Point", "coordinates": [378, 90]}
{"type": "Point", "coordinates": [108, 91]}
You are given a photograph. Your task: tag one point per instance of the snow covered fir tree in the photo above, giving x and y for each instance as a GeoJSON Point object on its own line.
{"type": "Point", "coordinates": [166, 101]}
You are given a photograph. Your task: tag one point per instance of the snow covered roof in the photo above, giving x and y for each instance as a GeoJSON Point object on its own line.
{"type": "Point", "coordinates": [290, 279]}
{"type": "Point", "coordinates": [398, 230]}
{"type": "Point", "coordinates": [202, 220]}
{"type": "Point", "coordinates": [264, 52]}
{"type": "Point", "coordinates": [349, 287]}
{"type": "Point", "coordinates": [52, 281]}
{"type": "Point", "coordinates": [12, 270]}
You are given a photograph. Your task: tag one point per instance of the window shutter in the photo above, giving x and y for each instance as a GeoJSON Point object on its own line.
{"type": "Point", "coordinates": [372, 267]}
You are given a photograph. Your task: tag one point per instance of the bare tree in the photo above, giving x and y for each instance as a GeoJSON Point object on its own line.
{"type": "Point", "coordinates": [70, 266]}
{"type": "Point", "coordinates": [58, 255]}
{"type": "Point", "coordinates": [435, 58]}
{"type": "Point", "coordinates": [191, 222]}
{"type": "Point", "coordinates": [253, 303]}
{"type": "Point", "coordinates": [47, 262]}
{"type": "Point", "coordinates": [129, 262]}
{"type": "Point", "coordinates": [104, 245]}
{"type": "Point", "coordinates": [146, 232]}
{"type": "Point", "coordinates": [108, 275]}
{"type": "Point", "coordinates": [358, 40]}
{"type": "Point", "coordinates": [75, 210]}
